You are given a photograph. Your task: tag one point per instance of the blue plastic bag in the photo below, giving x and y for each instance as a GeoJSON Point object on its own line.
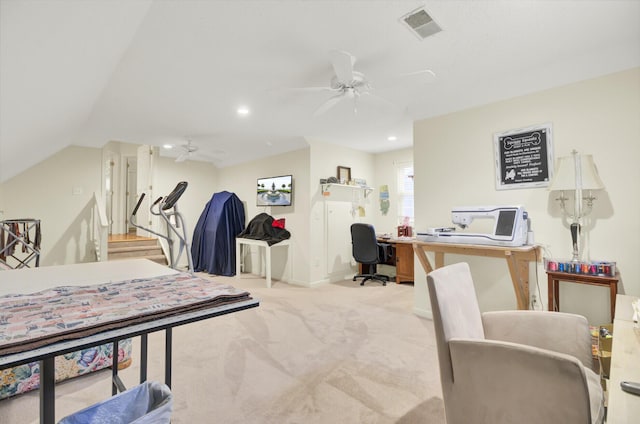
{"type": "Point", "coordinates": [148, 403]}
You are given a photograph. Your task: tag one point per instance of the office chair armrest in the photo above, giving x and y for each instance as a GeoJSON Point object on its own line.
{"type": "Point", "coordinates": [498, 381]}
{"type": "Point", "coordinates": [556, 331]}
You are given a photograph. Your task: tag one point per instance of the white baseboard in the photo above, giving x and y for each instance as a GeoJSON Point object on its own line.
{"type": "Point", "coordinates": [424, 313]}
{"type": "Point", "coordinates": [308, 283]}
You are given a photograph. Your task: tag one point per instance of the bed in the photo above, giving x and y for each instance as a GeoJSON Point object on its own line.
{"type": "Point", "coordinates": [62, 310]}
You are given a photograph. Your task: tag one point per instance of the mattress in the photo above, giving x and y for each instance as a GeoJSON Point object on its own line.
{"type": "Point", "coordinates": [24, 378]}
{"type": "Point", "coordinates": [31, 320]}
{"type": "Point", "coordinates": [37, 319]}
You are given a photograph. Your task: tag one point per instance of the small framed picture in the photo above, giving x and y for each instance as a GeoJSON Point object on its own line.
{"type": "Point", "coordinates": [344, 174]}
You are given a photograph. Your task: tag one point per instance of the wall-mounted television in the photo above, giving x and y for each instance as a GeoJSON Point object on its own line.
{"type": "Point", "coordinates": [275, 191]}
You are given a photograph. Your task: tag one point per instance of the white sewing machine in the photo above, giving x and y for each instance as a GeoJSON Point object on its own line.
{"type": "Point", "coordinates": [510, 226]}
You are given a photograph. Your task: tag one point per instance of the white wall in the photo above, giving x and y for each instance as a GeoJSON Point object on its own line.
{"type": "Point", "coordinates": [328, 264]}
{"type": "Point", "coordinates": [385, 173]}
{"type": "Point", "coordinates": [319, 253]}
{"type": "Point", "coordinates": [241, 180]}
{"type": "Point", "coordinates": [46, 192]}
{"type": "Point", "coordinates": [599, 116]}
{"type": "Point", "coordinates": [203, 182]}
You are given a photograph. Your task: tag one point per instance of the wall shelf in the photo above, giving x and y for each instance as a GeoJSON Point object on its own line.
{"type": "Point", "coordinates": [327, 187]}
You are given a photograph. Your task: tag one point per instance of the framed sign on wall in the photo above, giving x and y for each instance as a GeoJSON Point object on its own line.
{"type": "Point", "coordinates": [524, 157]}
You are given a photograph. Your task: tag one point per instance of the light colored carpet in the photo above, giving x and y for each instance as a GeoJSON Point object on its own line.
{"type": "Point", "coordinates": [338, 353]}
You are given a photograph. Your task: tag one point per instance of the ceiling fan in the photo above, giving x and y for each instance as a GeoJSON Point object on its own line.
{"type": "Point", "coordinates": [349, 84]}
{"type": "Point", "coordinates": [188, 150]}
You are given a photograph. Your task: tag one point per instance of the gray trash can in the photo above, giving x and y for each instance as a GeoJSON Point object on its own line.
{"type": "Point", "coordinates": [148, 403]}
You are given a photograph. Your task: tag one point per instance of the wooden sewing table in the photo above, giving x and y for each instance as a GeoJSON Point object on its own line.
{"type": "Point", "coordinates": [517, 258]}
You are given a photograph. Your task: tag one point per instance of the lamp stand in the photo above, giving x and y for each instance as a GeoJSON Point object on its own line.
{"type": "Point", "coordinates": [575, 233]}
{"type": "Point", "coordinates": [578, 174]}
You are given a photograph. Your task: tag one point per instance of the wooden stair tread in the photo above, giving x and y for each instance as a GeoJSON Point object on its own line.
{"type": "Point", "coordinates": [151, 257]}
{"type": "Point", "coordinates": [135, 247]}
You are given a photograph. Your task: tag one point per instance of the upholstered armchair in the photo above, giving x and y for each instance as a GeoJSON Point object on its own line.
{"type": "Point", "coordinates": [510, 366]}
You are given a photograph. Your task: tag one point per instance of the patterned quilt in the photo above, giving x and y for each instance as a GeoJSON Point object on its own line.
{"type": "Point", "coordinates": [28, 321]}
{"type": "Point", "coordinates": [24, 378]}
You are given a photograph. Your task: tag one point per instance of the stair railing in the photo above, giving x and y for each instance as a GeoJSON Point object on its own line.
{"type": "Point", "coordinates": [99, 228]}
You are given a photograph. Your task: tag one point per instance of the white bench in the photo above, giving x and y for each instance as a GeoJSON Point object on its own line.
{"type": "Point", "coordinates": [267, 249]}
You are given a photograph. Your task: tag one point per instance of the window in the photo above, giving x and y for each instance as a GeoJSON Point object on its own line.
{"type": "Point", "coordinates": [405, 193]}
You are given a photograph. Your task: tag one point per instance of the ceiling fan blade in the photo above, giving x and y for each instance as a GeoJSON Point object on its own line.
{"type": "Point", "coordinates": [408, 79]}
{"type": "Point", "coordinates": [427, 75]}
{"type": "Point", "coordinates": [316, 89]}
{"type": "Point", "coordinates": [187, 150]}
{"type": "Point", "coordinates": [329, 104]}
{"type": "Point", "coordinates": [343, 65]}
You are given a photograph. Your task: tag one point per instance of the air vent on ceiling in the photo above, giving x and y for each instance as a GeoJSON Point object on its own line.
{"type": "Point", "coordinates": [421, 23]}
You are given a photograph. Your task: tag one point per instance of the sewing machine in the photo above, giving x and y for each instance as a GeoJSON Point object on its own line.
{"type": "Point", "coordinates": [510, 227]}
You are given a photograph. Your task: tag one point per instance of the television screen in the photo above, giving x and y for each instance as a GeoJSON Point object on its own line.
{"type": "Point", "coordinates": [275, 191]}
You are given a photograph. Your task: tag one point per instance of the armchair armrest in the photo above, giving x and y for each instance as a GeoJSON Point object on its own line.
{"type": "Point", "coordinates": [496, 381]}
{"type": "Point", "coordinates": [555, 331]}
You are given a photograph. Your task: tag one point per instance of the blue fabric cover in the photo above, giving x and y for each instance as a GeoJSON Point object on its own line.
{"type": "Point", "coordinates": [149, 403]}
{"type": "Point", "coordinates": [214, 239]}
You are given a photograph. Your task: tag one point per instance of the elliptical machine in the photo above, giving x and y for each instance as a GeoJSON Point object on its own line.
{"type": "Point", "coordinates": [167, 207]}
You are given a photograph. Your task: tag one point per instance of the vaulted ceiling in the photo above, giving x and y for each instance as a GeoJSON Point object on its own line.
{"type": "Point", "coordinates": [157, 72]}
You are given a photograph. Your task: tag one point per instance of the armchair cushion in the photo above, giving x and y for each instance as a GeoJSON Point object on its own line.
{"type": "Point", "coordinates": [495, 382]}
{"type": "Point", "coordinates": [556, 331]}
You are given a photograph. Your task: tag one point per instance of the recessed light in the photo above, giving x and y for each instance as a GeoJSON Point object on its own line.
{"type": "Point", "coordinates": [392, 138]}
{"type": "Point", "coordinates": [167, 146]}
{"type": "Point", "coordinates": [243, 111]}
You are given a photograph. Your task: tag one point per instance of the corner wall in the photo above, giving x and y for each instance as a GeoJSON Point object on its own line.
{"type": "Point", "coordinates": [385, 168]}
{"type": "Point", "coordinates": [59, 192]}
{"type": "Point", "coordinates": [599, 116]}
{"type": "Point", "coordinates": [202, 178]}
{"type": "Point", "coordinates": [241, 180]}
{"type": "Point", "coordinates": [331, 215]}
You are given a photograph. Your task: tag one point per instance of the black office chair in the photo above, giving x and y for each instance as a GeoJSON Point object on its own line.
{"type": "Point", "coordinates": [367, 251]}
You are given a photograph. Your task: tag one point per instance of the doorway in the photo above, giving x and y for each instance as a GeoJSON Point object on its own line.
{"type": "Point", "coordinates": [131, 186]}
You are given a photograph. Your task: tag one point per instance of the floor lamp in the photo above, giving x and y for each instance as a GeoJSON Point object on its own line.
{"type": "Point", "coordinates": [576, 173]}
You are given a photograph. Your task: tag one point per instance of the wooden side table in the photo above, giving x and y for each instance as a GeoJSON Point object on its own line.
{"type": "Point", "coordinates": [554, 279]}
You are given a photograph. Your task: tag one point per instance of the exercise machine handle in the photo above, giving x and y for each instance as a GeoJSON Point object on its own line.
{"type": "Point", "coordinates": [173, 197]}
{"type": "Point", "coordinates": [135, 210]}
{"type": "Point", "coordinates": [157, 201]}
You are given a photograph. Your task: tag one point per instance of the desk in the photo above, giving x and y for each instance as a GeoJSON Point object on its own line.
{"type": "Point", "coordinates": [36, 279]}
{"type": "Point", "coordinates": [402, 257]}
{"type": "Point", "coordinates": [517, 258]}
{"type": "Point", "coordinates": [624, 407]}
{"type": "Point", "coordinates": [553, 287]}
{"type": "Point", "coordinates": [267, 249]}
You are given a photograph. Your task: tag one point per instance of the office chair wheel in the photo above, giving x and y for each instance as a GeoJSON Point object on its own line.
{"type": "Point", "coordinates": [361, 283]}
{"type": "Point", "coordinates": [384, 283]}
